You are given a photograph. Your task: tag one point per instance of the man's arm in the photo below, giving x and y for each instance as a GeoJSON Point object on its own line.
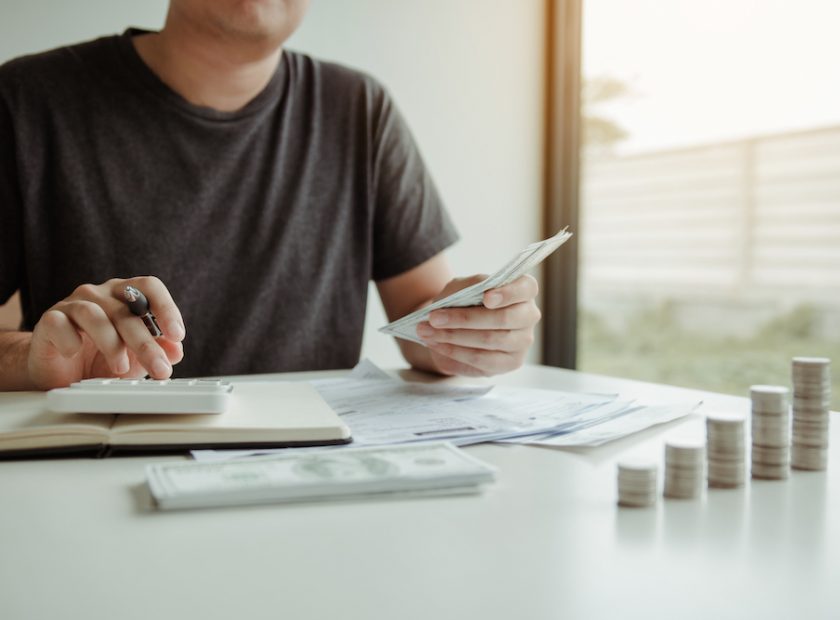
{"type": "Point", "coordinates": [410, 291]}
{"type": "Point", "coordinates": [483, 340]}
{"type": "Point", "coordinates": [92, 333]}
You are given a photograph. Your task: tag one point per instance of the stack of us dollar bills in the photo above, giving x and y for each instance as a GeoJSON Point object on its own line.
{"type": "Point", "coordinates": [319, 475]}
{"type": "Point", "coordinates": [522, 263]}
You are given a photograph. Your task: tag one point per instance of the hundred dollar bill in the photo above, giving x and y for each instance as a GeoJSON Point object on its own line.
{"type": "Point", "coordinates": [527, 259]}
{"type": "Point", "coordinates": [318, 475]}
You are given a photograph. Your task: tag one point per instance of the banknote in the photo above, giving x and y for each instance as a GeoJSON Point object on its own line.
{"type": "Point", "coordinates": [522, 263]}
{"type": "Point", "coordinates": [317, 475]}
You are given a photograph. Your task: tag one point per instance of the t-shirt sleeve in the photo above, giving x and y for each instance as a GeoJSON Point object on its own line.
{"type": "Point", "coordinates": [410, 222]}
{"type": "Point", "coordinates": [11, 243]}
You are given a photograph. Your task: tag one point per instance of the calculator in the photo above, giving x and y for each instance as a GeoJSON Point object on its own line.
{"type": "Point", "coordinates": [168, 396]}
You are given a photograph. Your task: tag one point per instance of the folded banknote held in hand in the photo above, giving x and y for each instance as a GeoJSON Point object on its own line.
{"type": "Point", "coordinates": [318, 475]}
{"type": "Point", "coordinates": [522, 263]}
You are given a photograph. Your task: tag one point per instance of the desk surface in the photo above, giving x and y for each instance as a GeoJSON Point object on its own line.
{"type": "Point", "coordinates": [78, 539]}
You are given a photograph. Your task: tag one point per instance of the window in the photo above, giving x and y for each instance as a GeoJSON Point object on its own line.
{"type": "Point", "coordinates": [710, 190]}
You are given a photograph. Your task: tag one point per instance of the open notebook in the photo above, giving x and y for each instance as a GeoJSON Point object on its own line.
{"type": "Point", "coordinates": [261, 414]}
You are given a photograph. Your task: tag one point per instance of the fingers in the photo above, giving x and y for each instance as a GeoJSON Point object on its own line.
{"type": "Point", "coordinates": [160, 302]}
{"type": "Point", "coordinates": [112, 329]}
{"type": "Point", "coordinates": [174, 350]}
{"type": "Point", "coordinates": [522, 289]}
{"type": "Point", "coordinates": [98, 313]}
{"type": "Point", "coordinates": [487, 362]}
{"type": "Point", "coordinates": [484, 340]}
{"type": "Point", "coordinates": [517, 316]}
{"type": "Point", "coordinates": [131, 332]}
{"type": "Point", "coordinates": [72, 317]}
{"type": "Point", "coordinates": [58, 330]}
{"type": "Point", "coordinates": [507, 340]}
{"type": "Point", "coordinates": [148, 350]}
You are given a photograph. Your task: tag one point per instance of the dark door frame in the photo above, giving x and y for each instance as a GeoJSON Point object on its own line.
{"type": "Point", "coordinates": [561, 179]}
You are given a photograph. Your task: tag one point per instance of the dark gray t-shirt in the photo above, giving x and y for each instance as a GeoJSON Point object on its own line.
{"type": "Point", "coordinates": [266, 224]}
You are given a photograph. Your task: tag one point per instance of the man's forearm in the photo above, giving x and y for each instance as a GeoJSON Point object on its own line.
{"type": "Point", "coordinates": [14, 356]}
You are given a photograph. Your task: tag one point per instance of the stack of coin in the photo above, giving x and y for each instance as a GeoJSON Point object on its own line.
{"type": "Point", "coordinates": [770, 432]}
{"type": "Point", "coordinates": [684, 460]}
{"type": "Point", "coordinates": [725, 449]}
{"type": "Point", "coordinates": [811, 402]}
{"type": "Point", "coordinates": [637, 483]}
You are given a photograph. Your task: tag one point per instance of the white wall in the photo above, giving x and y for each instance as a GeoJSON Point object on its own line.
{"type": "Point", "coordinates": [467, 74]}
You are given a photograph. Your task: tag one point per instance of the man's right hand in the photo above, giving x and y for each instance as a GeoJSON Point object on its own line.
{"type": "Point", "coordinates": [92, 333]}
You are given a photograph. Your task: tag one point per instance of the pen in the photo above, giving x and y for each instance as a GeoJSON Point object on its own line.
{"type": "Point", "coordinates": [139, 306]}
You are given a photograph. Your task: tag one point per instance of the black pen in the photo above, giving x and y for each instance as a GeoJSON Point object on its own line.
{"type": "Point", "coordinates": [139, 306]}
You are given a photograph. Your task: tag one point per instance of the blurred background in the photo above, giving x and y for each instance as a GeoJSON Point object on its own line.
{"type": "Point", "coordinates": [709, 161]}
{"type": "Point", "coordinates": [710, 190]}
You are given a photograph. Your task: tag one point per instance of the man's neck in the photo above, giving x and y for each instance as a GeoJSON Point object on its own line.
{"type": "Point", "coordinates": [207, 71]}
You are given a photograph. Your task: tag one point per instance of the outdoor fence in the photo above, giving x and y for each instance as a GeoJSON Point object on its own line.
{"type": "Point", "coordinates": [749, 222]}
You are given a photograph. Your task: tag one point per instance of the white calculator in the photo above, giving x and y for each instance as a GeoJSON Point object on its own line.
{"type": "Point", "coordinates": [177, 396]}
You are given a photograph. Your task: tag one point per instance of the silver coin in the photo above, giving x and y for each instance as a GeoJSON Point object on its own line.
{"type": "Point", "coordinates": [759, 417]}
{"type": "Point", "coordinates": [811, 425]}
{"type": "Point", "coordinates": [770, 472]}
{"type": "Point", "coordinates": [808, 361]}
{"type": "Point", "coordinates": [637, 503]}
{"type": "Point", "coordinates": [774, 426]}
{"type": "Point", "coordinates": [770, 456]}
{"type": "Point", "coordinates": [811, 441]}
{"type": "Point", "coordinates": [725, 438]}
{"type": "Point", "coordinates": [810, 374]}
{"type": "Point", "coordinates": [684, 473]}
{"type": "Point", "coordinates": [724, 419]}
{"type": "Point", "coordinates": [642, 494]}
{"type": "Point", "coordinates": [811, 398]}
{"type": "Point", "coordinates": [684, 449]}
{"type": "Point", "coordinates": [771, 439]}
{"type": "Point", "coordinates": [769, 397]}
{"type": "Point", "coordinates": [685, 467]}
{"type": "Point", "coordinates": [680, 493]}
{"type": "Point", "coordinates": [804, 457]}
{"type": "Point", "coordinates": [637, 481]}
{"type": "Point", "coordinates": [726, 458]}
{"type": "Point", "coordinates": [811, 416]}
{"type": "Point", "coordinates": [724, 484]}
{"type": "Point", "coordinates": [637, 475]}
{"type": "Point", "coordinates": [770, 413]}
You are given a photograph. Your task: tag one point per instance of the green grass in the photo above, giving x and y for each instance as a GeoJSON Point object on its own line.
{"type": "Point", "coordinates": [655, 348]}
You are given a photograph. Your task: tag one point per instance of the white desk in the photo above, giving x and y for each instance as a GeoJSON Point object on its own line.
{"type": "Point", "coordinates": [78, 540]}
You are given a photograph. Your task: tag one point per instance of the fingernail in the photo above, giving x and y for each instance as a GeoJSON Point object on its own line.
{"type": "Point", "coordinates": [438, 319]}
{"type": "Point", "coordinates": [424, 329]}
{"type": "Point", "coordinates": [493, 300]}
{"type": "Point", "coordinates": [161, 368]}
{"type": "Point", "coordinates": [176, 330]}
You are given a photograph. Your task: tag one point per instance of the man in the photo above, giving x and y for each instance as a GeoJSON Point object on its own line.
{"type": "Point", "coordinates": [261, 187]}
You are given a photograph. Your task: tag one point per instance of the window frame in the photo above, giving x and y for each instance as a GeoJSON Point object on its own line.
{"type": "Point", "coordinates": [561, 179]}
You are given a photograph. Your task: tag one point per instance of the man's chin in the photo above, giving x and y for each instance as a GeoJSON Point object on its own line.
{"type": "Point", "coordinates": [267, 30]}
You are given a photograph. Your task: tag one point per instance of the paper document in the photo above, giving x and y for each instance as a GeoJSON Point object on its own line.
{"type": "Point", "coordinates": [527, 259]}
{"type": "Point", "coordinates": [325, 475]}
{"type": "Point", "coordinates": [633, 421]}
{"type": "Point", "coordinates": [383, 410]}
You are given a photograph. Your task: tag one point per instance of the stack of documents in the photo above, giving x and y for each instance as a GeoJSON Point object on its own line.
{"type": "Point", "coordinates": [381, 410]}
{"type": "Point", "coordinates": [427, 469]}
{"type": "Point", "coordinates": [522, 263]}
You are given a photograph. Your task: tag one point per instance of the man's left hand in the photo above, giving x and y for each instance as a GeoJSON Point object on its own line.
{"type": "Point", "coordinates": [483, 340]}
